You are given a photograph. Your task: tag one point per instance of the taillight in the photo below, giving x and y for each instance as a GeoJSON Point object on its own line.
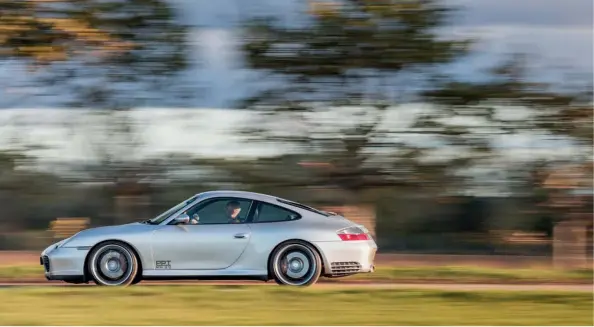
{"type": "Point", "coordinates": [353, 237]}
{"type": "Point", "coordinates": [353, 234]}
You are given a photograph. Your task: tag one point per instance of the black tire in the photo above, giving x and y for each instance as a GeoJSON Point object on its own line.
{"type": "Point", "coordinates": [295, 263]}
{"type": "Point", "coordinates": [113, 264]}
{"type": "Point", "coordinates": [137, 280]}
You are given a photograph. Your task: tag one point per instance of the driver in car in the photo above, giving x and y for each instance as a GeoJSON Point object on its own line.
{"type": "Point", "coordinates": [232, 211]}
{"type": "Point", "coordinates": [194, 219]}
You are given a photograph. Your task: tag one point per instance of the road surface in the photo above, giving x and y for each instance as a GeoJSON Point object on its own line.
{"type": "Point", "coordinates": [451, 287]}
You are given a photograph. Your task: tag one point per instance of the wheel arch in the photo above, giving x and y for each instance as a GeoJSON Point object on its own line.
{"type": "Point", "coordinates": [87, 275]}
{"type": "Point", "coordinates": [313, 246]}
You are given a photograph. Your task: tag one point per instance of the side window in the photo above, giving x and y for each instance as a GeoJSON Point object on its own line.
{"type": "Point", "coordinates": [267, 213]}
{"type": "Point", "coordinates": [220, 211]}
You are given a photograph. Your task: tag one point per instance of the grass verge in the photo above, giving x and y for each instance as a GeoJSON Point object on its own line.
{"type": "Point", "coordinates": [244, 305]}
{"type": "Point", "coordinates": [21, 272]}
{"type": "Point", "coordinates": [477, 275]}
{"type": "Point", "coordinates": [404, 274]}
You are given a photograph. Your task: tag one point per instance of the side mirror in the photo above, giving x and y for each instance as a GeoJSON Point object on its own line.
{"type": "Point", "coordinates": [182, 219]}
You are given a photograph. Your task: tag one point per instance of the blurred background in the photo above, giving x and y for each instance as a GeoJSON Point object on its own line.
{"type": "Point", "coordinates": [451, 127]}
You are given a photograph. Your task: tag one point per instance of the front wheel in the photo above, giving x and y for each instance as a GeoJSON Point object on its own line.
{"type": "Point", "coordinates": [113, 264]}
{"type": "Point", "coordinates": [296, 263]}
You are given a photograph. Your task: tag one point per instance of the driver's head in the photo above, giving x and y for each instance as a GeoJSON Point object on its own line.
{"type": "Point", "coordinates": [233, 209]}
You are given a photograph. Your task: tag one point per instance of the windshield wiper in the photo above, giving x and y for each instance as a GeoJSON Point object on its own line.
{"type": "Point", "coordinates": [149, 222]}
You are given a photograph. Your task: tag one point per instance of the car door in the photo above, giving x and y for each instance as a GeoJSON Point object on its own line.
{"type": "Point", "coordinates": [213, 243]}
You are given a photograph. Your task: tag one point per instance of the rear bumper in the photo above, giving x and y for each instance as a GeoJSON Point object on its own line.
{"type": "Point", "coordinates": [346, 258]}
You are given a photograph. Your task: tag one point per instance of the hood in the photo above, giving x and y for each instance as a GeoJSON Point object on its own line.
{"type": "Point", "coordinates": [106, 229]}
{"type": "Point", "coordinates": [94, 235]}
{"type": "Point", "coordinates": [91, 236]}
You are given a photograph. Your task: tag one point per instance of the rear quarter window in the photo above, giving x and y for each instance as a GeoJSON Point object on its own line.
{"type": "Point", "coordinates": [303, 207]}
{"type": "Point", "coordinates": [267, 213]}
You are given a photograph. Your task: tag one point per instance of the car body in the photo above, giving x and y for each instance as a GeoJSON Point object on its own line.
{"type": "Point", "coordinates": [169, 247]}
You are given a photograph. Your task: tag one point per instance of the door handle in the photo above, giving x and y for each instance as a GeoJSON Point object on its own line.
{"type": "Point", "coordinates": [240, 235]}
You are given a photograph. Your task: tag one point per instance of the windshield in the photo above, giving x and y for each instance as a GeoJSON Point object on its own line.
{"type": "Point", "coordinates": [162, 217]}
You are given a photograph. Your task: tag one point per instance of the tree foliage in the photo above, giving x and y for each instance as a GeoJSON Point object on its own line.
{"type": "Point", "coordinates": [379, 56]}
{"type": "Point", "coordinates": [38, 30]}
{"type": "Point", "coordinates": [373, 54]}
{"type": "Point", "coordinates": [111, 54]}
{"type": "Point", "coordinates": [352, 54]}
{"type": "Point", "coordinates": [562, 111]}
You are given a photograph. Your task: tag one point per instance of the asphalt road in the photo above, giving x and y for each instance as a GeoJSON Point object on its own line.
{"type": "Point", "coordinates": [452, 287]}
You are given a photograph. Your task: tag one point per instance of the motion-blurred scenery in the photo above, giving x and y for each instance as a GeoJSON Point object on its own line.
{"type": "Point", "coordinates": [458, 132]}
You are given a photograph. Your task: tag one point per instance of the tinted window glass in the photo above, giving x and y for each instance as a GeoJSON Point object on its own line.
{"type": "Point", "coordinates": [221, 211]}
{"type": "Point", "coordinates": [270, 213]}
{"type": "Point", "coordinates": [162, 217]}
{"type": "Point", "coordinates": [303, 206]}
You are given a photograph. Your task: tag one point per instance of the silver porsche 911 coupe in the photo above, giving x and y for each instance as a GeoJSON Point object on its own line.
{"type": "Point", "coordinates": [217, 235]}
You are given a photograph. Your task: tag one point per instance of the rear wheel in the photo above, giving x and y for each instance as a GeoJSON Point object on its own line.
{"type": "Point", "coordinates": [113, 264]}
{"type": "Point", "coordinates": [295, 263]}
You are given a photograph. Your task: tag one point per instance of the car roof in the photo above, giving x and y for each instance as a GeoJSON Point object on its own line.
{"type": "Point", "coordinates": [243, 194]}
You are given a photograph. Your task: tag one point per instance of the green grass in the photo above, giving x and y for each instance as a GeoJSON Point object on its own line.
{"type": "Point", "coordinates": [404, 274]}
{"type": "Point", "coordinates": [22, 271]}
{"type": "Point", "coordinates": [257, 305]}
{"type": "Point", "coordinates": [478, 275]}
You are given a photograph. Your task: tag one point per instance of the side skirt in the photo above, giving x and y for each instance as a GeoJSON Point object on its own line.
{"type": "Point", "coordinates": [154, 274]}
{"type": "Point", "coordinates": [209, 278]}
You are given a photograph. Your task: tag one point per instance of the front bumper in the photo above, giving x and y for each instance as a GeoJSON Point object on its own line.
{"type": "Point", "coordinates": [61, 263]}
{"type": "Point", "coordinates": [346, 258]}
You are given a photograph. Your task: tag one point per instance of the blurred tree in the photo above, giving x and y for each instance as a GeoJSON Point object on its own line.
{"type": "Point", "coordinates": [41, 31]}
{"type": "Point", "coordinates": [556, 111]}
{"type": "Point", "coordinates": [376, 56]}
{"type": "Point", "coordinates": [111, 55]}
{"type": "Point", "coordinates": [23, 191]}
{"type": "Point", "coordinates": [149, 67]}
{"type": "Point", "coordinates": [370, 54]}
{"type": "Point", "coordinates": [563, 109]}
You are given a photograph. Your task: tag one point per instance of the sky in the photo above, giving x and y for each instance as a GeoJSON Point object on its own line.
{"type": "Point", "coordinates": [558, 31]}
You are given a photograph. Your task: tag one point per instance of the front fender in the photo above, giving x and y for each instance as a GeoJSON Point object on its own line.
{"type": "Point", "coordinates": [138, 236]}
{"type": "Point", "coordinates": [92, 236]}
{"type": "Point", "coordinates": [54, 246]}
